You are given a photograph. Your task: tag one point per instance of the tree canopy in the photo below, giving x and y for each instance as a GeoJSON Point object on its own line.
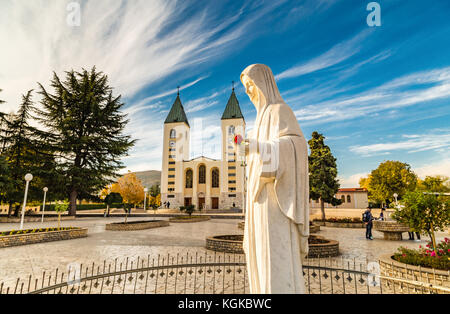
{"type": "Point", "coordinates": [87, 124]}
{"type": "Point", "coordinates": [391, 177]}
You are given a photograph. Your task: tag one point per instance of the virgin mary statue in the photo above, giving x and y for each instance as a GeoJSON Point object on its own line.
{"type": "Point", "coordinates": [277, 218]}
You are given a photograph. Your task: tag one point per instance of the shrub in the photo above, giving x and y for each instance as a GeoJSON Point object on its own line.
{"type": "Point", "coordinates": [426, 257]}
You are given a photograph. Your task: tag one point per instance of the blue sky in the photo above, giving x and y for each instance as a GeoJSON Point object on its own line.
{"type": "Point", "coordinates": [377, 94]}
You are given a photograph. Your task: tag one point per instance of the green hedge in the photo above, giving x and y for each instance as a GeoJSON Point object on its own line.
{"type": "Point", "coordinates": [51, 208]}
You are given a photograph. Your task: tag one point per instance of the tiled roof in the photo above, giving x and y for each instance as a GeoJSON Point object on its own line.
{"type": "Point", "coordinates": [177, 113]}
{"type": "Point", "coordinates": [233, 110]}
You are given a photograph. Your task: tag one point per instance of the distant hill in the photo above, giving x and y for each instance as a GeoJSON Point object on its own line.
{"type": "Point", "coordinates": [149, 178]}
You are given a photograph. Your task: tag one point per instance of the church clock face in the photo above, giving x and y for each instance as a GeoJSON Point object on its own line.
{"type": "Point", "coordinates": [172, 144]}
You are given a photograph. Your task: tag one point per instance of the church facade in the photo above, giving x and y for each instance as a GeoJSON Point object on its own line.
{"type": "Point", "coordinates": [207, 183]}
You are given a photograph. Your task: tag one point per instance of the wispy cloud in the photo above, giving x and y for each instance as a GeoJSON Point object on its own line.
{"type": "Point", "coordinates": [405, 91]}
{"type": "Point", "coordinates": [440, 139]}
{"type": "Point", "coordinates": [335, 55]}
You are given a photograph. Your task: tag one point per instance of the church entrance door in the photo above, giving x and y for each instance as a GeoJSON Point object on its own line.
{"type": "Point", "coordinates": [201, 203]}
{"type": "Point", "coordinates": [215, 202]}
{"type": "Point", "coordinates": [187, 201]}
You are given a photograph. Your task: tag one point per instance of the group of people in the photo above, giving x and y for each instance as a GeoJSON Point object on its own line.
{"type": "Point", "coordinates": [368, 219]}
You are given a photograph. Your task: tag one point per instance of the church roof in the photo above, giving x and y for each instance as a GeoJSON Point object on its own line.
{"type": "Point", "coordinates": [233, 110]}
{"type": "Point", "coordinates": [177, 113]}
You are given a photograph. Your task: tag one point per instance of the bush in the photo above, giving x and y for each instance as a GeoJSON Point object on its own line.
{"type": "Point", "coordinates": [51, 208]}
{"type": "Point", "coordinates": [188, 209]}
{"type": "Point", "coordinates": [426, 257]}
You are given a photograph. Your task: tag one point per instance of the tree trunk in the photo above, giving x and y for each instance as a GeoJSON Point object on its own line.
{"type": "Point", "coordinates": [322, 208]}
{"type": "Point", "coordinates": [17, 211]}
{"type": "Point", "coordinates": [73, 203]}
{"type": "Point", "coordinates": [10, 210]}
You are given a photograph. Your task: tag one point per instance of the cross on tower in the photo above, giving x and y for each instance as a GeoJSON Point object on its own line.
{"type": "Point", "coordinates": [178, 87]}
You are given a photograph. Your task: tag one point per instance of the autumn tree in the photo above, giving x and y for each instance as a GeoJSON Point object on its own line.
{"type": "Point", "coordinates": [131, 190]}
{"type": "Point", "coordinates": [437, 184]}
{"type": "Point", "coordinates": [389, 178]}
{"type": "Point", "coordinates": [87, 122]}
{"type": "Point", "coordinates": [323, 173]}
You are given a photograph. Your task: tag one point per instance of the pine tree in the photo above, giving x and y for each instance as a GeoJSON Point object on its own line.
{"type": "Point", "coordinates": [322, 173]}
{"type": "Point", "coordinates": [22, 146]}
{"type": "Point", "coordinates": [85, 119]}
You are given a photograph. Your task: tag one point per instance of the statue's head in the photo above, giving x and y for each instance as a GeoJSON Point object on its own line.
{"type": "Point", "coordinates": [260, 85]}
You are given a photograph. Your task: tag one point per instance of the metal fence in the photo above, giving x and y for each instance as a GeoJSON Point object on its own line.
{"type": "Point", "coordinates": [210, 274]}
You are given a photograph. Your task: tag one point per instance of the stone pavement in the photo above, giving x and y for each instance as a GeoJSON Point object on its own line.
{"type": "Point", "coordinates": [101, 245]}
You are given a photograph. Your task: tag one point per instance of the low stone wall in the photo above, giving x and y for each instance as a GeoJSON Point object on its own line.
{"type": "Point", "coordinates": [33, 238]}
{"type": "Point", "coordinates": [226, 243]}
{"type": "Point", "coordinates": [391, 268]}
{"type": "Point", "coordinates": [138, 225]}
{"type": "Point", "coordinates": [190, 220]}
{"type": "Point", "coordinates": [35, 219]}
{"type": "Point", "coordinates": [324, 247]}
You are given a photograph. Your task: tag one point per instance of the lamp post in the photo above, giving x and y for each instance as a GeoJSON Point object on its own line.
{"type": "Point", "coordinates": [43, 206]}
{"type": "Point", "coordinates": [396, 201]}
{"type": "Point", "coordinates": [145, 198]}
{"type": "Point", "coordinates": [28, 178]}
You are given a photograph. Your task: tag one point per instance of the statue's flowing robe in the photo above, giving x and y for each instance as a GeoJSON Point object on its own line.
{"type": "Point", "coordinates": [277, 218]}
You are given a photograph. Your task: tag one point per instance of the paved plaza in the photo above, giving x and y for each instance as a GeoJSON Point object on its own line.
{"type": "Point", "coordinates": [101, 245]}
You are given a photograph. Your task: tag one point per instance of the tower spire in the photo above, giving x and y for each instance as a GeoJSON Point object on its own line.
{"type": "Point", "coordinates": [178, 87]}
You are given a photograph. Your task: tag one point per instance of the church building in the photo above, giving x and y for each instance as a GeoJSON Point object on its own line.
{"type": "Point", "coordinates": [207, 183]}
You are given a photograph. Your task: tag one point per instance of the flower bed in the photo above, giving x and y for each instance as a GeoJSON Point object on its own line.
{"type": "Point", "coordinates": [189, 219]}
{"type": "Point", "coordinates": [33, 236]}
{"type": "Point", "coordinates": [137, 225]}
{"type": "Point", "coordinates": [340, 222]}
{"type": "Point", "coordinates": [426, 257]}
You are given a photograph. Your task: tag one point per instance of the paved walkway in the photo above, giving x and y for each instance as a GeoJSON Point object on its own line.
{"type": "Point", "coordinates": [20, 262]}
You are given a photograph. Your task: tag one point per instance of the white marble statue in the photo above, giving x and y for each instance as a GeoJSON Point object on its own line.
{"type": "Point", "coordinates": [277, 218]}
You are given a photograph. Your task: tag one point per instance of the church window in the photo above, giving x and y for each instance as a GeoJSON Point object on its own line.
{"type": "Point", "coordinates": [231, 130]}
{"type": "Point", "coordinates": [215, 178]}
{"type": "Point", "coordinates": [189, 179]}
{"type": "Point", "coordinates": [173, 134]}
{"type": "Point", "coordinates": [349, 199]}
{"type": "Point", "coordinates": [343, 198]}
{"type": "Point", "coordinates": [202, 175]}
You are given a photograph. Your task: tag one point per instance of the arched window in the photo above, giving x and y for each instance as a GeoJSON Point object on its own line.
{"type": "Point", "coordinates": [202, 174]}
{"type": "Point", "coordinates": [215, 178]}
{"type": "Point", "coordinates": [231, 130]}
{"type": "Point", "coordinates": [349, 199]}
{"type": "Point", "coordinates": [173, 134]}
{"type": "Point", "coordinates": [343, 198]}
{"type": "Point", "coordinates": [189, 179]}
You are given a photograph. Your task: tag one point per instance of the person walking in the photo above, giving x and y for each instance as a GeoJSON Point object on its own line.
{"type": "Point", "coordinates": [382, 217]}
{"type": "Point", "coordinates": [368, 220]}
{"type": "Point", "coordinates": [168, 205]}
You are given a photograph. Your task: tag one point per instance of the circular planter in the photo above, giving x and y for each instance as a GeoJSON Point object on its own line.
{"type": "Point", "coordinates": [226, 243]}
{"type": "Point", "coordinates": [392, 230]}
{"type": "Point", "coordinates": [137, 225]}
{"type": "Point", "coordinates": [320, 247]}
{"type": "Point", "coordinates": [392, 268]}
{"type": "Point", "coordinates": [187, 219]}
{"type": "Point", "coordinates": [42, 237]}
{"type": "Point", "coordinates": [353, 225]}
{"type": "Point", "coordinates": [314, 228]}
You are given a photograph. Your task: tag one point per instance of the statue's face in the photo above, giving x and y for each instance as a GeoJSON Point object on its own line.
{"type": "Point", "coordinates": [250, 89]}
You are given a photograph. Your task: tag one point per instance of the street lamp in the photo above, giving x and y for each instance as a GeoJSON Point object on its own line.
{"type": "Point", "coordinates": [396, 201]}
{"type": "Point", "coordinates": [28, 178]}
{"type": "Point", "coordinates": [43, 206]}
{"type": "Point", "coordinates": [145, 197]}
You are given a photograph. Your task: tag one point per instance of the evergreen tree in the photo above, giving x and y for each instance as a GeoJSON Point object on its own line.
{"type": "Point", "coordinates": [85, 119]}
{"type": "Point", "coordinates": [322, 173]}
{"type": "Point", "coordinates": [22, 146]}
{"type": "Point", "coordinates": [5, 183]}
